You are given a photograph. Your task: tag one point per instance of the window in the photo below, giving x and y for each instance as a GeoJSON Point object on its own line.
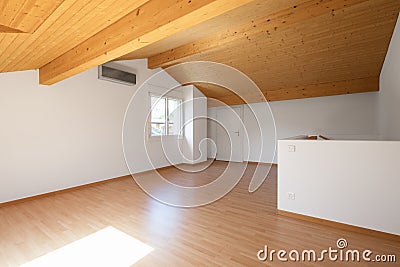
{"type": "Point", "coordinates": [166, 116]}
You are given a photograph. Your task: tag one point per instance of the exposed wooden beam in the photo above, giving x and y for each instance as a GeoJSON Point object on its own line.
{"type": "Point", "coordinates": [150, 23]}
{"type": "Point", "coordinates": [306, 10]}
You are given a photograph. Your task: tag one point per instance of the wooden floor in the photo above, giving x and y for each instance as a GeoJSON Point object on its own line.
{"type": "Point", "coordinates": [228, 232]}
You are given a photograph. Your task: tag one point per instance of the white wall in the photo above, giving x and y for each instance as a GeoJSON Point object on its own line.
{"type": "Point", "coordinates": [390, 89]}
{"type": "Point", "coordinates": [352, 116]}
{"type": "Point", "coordinates": [352, 182]}
{"type": "Point", "coordinates": [69, 134]}
{"type": "Point", "coordinates": [59, 136]}
{"type": "Point", "coordinates": [188, 128]}
{"type": "Point", "coordinates": [199, 126]}
{"type": "Point", "coordinates": [211, 133]}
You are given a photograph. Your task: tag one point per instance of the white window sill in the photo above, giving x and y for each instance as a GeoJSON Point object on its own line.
{"type": "Point", "coordinates": [164, 138]}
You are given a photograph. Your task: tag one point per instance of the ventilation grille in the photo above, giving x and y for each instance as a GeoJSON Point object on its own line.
{"type": "Point", "coordinates": [117, 76]}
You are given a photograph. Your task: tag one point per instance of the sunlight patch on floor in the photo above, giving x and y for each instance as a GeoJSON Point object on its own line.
{"type": "Point", "coordinates": [107, 247]}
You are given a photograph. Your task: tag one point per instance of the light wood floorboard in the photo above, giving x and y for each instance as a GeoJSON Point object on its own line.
{"type": "Point", "coordinates": [228, 232]}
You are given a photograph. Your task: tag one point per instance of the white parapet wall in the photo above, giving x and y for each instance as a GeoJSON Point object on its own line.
{"type": "Point", "coordinates": [351, 182]}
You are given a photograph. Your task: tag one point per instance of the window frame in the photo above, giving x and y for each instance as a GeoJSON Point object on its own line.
{"type": "Point", "coordinates": [166, 113]}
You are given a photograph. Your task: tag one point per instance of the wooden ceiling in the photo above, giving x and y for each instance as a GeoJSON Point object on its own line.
{"type": "Point", "coordinates": [71, 23]}
{"type": "Point", "coordinates": [80, 34]}
{"type": "Point", "coordinates": [25, 16]}
{"type": "Point", "coordinates": [290, 48]}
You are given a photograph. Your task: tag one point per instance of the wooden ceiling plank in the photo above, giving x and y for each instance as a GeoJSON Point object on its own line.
{"type": "Point", "coordinates": [27, 15]}
{"type": "Point", "coordinates": [291, 39]}
{"type": "Point", "coordinates": [9, 11]}
{"type": "Point", "coordinates": [3, 5]}
{"type": "Point", "coordinates": [6, 40]}
{"type": "Point", "coordinates": [363, 11]}
{"type": "Point", "coordinates": [23, 43]}
{"type": "Point", "coordinates": [295, 51]}
{"type": "Point", "coordinates": [57, 35]}
{"type": "Point", "coordinates": [44, 42]}
{"type": "Point", "coordinates": [362, 55]}
{"type": "Point", "coordinates": [47, 40]}
{"type": "Point", "coordinates": [24, 9]}
{"type": "Point", "coordinates": [334, 57]}
{"type": "Point", "coordinates": [272, 85]}
{"type": "Point", "coordinates": [73, 36]}
{"type": "Point", "coordinates": [34, 13]}
{"type": "Point", "coordinates": [152, 22]}
{"type": "Point", "coordinates": [318, 72]}
{"type": "Point", "coordinates": [212, 90]}
{"type": "Point", "coordinates": [284, 18]}
{"type": "Point", "coordinates": [7, 45]}
{"type": "Point", "coordinates": [249, 12]}
{"type": "Point", "coordinates": [307, 51]}
{"type": "Point", "coordinates": [370, 84]}
{"type": "Point", "coordinates": [286, 70]}
{"type": "Point", "coordinates": [288, 73]}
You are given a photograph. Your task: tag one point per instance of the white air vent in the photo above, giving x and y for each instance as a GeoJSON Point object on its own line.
{"type": "Point", "coordinates": [115, 75]}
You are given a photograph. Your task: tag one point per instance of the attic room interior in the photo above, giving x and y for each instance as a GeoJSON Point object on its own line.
{"type": "Point", "coordinates": [199, 133]}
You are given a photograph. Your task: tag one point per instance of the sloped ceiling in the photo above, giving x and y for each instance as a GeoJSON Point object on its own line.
{"type": "Point", "coordinates": [64, 37]}
{"type": "Point", "coordinates": [290, 48]}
